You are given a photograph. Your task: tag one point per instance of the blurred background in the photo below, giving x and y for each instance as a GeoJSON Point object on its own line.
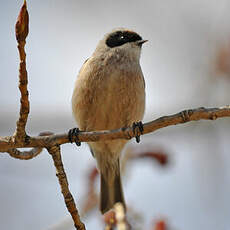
{"type": "Point", "coordinates": [186, 64]}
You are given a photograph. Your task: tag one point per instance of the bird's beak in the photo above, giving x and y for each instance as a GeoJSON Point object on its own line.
{"type": "Point", "coordinates": [141, 42]}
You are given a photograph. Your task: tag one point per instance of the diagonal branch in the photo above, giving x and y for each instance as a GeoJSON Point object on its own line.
{"type": "Point", "coordinates": [122, 133]}
{"type": "Point", "coordinates": [60, 172]}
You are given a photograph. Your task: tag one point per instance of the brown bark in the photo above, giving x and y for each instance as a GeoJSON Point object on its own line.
{"type": "Point", "coordinates": [55, 152]}
{"type": "Point", "coordinates": [122, 133]}
{"type": "Point", "coordinates": [21, 32]}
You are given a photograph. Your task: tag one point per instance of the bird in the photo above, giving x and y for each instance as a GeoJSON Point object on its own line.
{"type": "Point", "coordinates": [109, 93]}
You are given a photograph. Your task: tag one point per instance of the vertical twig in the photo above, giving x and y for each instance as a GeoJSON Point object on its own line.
{"type": "Point", "coordinates": [60, 173]}
{"type": "Point", "coordinates": [21, 31]}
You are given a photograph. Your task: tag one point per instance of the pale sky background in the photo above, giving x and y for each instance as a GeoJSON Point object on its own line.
{"type": "Point", "coordinates": [179, 67]}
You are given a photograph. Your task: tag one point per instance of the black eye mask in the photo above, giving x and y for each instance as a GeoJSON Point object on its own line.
{"type": "Point", "coordinates": [119, 38]}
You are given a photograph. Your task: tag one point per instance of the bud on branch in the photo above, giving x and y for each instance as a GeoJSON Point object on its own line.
{"type": "Point", "coordinates": [22, 24]}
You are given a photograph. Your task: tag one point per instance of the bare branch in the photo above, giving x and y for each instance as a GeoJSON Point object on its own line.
{"type": "Point", "coordinates": [24, 155]}
{"type": "Point", "coordinates": [21, 30]}
{"type": "Point", "coordinates": [123, 133]}
{"type": "Point", "coordinates": [60, 173]}
{"type": "Point", "coordinates": [27, 155]}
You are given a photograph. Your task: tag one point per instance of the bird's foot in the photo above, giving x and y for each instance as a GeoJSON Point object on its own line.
{"type": "Point", "coordinates": [74, 133]}
{"type": "Point", "coordinates": [138, 130]}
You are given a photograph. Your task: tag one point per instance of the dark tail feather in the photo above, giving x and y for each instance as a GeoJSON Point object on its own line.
{"type": "Point", "coordinates": [111, 189]}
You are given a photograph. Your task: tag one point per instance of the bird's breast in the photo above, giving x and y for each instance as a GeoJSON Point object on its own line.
{"type": "Point", "coordinates": [106, 97]}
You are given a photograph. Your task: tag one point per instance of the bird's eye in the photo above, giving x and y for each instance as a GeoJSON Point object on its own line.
{"type": "Point", "coordinates": [119, 38]}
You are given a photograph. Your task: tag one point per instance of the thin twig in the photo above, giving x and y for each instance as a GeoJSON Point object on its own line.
{"type": "Point", "coordinates": [24, 155]}
{"type": "Point", "coordinates": [21, 31]}
{"type": "Point", "coordinates": [27, 155]}
{"type": "Point", "coordinates": [123, 133]}
{"type": "Point", "coordinates": [69, 200]}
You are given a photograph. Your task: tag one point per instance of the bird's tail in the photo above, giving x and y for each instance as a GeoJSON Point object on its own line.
{"type": "Point", "coordinates": [111, 188]}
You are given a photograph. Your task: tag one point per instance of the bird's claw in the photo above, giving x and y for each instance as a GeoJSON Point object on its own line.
{"type": "Point", "coordinates": [74, 133]}
{"type": "Point", "coordinates": [137, 130]}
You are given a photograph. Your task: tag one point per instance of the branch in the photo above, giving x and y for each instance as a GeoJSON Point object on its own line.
{"type": "Point", "coordinates": [27, 155]}
{"type": "Point", "coordinates": [60, 173]}
{"type": "Point", "coordinates": [24, 155]}
{"type": "Point", "coordinates": [21, 31]}
{"type": "Point", "coordinates": [20, 137]}
{"type": "Point", "coordinates": [122, 133]}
